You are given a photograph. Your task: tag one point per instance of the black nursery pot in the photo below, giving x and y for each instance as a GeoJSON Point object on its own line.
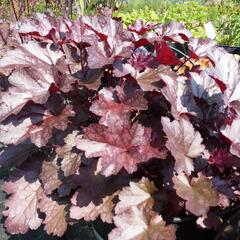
{"type": "Point", "coordinates": [231, 229]}
{"type": "Point", "coordinates": [231, 49]}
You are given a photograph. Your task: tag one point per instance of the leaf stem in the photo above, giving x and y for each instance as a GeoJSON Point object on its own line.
{"type": "Point", "coordinates": [16, 17]}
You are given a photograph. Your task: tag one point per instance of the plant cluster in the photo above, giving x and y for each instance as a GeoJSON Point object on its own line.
{"type": "Point", "coordinates": [134, 126]}
{"type": "Point", "coordinates": [194, 14]}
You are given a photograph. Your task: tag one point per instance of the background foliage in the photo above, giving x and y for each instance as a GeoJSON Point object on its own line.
{"type": "Point", "coordinates": [225, 17]}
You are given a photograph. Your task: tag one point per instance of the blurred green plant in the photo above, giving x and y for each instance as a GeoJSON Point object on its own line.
{"type": "Point", "coordinates": [228, 26]}
{"type": "Point", "coordinates": [225, 16]}
{"type": "Point", "coordinates": [15, 9]}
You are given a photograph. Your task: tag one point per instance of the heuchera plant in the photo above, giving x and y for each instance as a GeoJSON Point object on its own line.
{"type": "Point", "coordinates": [136, 126]}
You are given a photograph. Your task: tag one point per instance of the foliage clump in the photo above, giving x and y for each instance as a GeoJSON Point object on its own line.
{"type": "Point", "coordinates": [135, 126]}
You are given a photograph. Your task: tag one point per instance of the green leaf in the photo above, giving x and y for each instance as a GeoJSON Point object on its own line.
{"type": "Point", "coordinates": [82, 6]}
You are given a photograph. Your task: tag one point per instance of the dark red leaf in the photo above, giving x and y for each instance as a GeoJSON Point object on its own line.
{"type": "Point", "coordinates": [88, 192]}
{"type": "Point", "coordinates": [140, 27]}
{"type": "Point", "coordinates": [165, 55]}
{"type": "Point", "coordinates": [223, 158]}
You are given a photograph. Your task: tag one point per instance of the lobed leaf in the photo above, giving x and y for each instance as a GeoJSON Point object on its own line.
{"type": "Point", "coordinates": [38, 128]}
{"type": "Point", "coordinates": [22, 214]}
{"type": "Point", "coordinates": [198, 193]}
{"type": "Point", "coordinates": [70, 161]}
{"type": "Point", "coordinates": [55, 220]}
{"type": "Point", "coordinates": [137, 194]}
{"type": "Point", "coordinates": [141, 225]}
{"type": "Point", "coordinates": [183, 142]}
{"type": "Point", "coordinates": [120, 145]}
{"type": "Point", "coordinates": [91, 212]}
{"type": "Point", "coordinates": [49, 176]}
